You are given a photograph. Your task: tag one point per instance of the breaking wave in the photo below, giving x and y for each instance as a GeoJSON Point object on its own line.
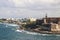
{"type": "Point", "coordinates": [34, 33]}
{"type": "Point", "coordinates": [11, 24]}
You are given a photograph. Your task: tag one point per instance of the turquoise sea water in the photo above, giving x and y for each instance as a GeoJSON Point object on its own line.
{"type": "Point", "coordinates": [8, 32]}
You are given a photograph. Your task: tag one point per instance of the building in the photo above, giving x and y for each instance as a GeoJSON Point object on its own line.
{"type": "Point", "coordinates": [32, 19]}
{"type": "Point", "coordinates": [46, 27]}
{"type": "Point", "coordinates": [39, 21]}
{"type": "Point", "coordinates": [54, 21]}
{"type": "Point", "coordinates": [49, 23]}
{"type": "Point", "coordinates": [51, 19]}
{"type": "Point", "coordinates": [55, 27]}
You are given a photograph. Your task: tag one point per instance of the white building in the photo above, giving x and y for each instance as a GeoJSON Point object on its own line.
{"type": "Point", "coordinates": [32, 19]}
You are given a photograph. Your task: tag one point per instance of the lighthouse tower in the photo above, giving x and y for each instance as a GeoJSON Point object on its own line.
{"type": "Point", "coordinates": [45, 19]}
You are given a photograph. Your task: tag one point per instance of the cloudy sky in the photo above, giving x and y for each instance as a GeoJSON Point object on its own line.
{"type": "Point", "coordinates": [29, 8]}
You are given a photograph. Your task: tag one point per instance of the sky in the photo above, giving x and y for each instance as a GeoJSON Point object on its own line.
{"type": "Point", "coordinates": [29, 8]}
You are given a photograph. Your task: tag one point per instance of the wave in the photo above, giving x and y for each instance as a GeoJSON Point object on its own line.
{"type": "Point", "coordinates": [34, 33]}
{"type": "Point", "coordinates": [20, 30]}
{"type": "Point", "coordinates": [12, 24]}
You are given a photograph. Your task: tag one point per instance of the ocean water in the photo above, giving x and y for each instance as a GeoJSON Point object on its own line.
{"type": "Point", "coordinates": [10, 32]}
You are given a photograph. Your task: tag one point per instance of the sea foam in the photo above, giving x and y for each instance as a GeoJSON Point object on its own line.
{"type": "Point", "coordinates": [34, 33]}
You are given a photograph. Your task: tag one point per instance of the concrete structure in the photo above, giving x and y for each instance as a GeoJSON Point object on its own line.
{"type": "Point", "coordinates": [55, 27]}
{"type": "Point", "coordinates": [53, 19]}
{"type": "Point", "coordinates": [46, 27]}
{"type": "Point", "coordinates": [32, 19]}
{"type": "Point", "coordinates": [39, 21]}
{"type": "Point", "coordinates": [55, 23]}
{"type": "Point", "coordinates": [45, 21]}
{"type": "Point", "coordinates": [49, 23]}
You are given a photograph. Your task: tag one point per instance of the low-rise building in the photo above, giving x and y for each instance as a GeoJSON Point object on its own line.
{"type": "Point", "coordinates": [32, 19]}
{"type": "Point", "coordinates": [55, 27]}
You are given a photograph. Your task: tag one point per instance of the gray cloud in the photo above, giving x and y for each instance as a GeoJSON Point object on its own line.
{"type": "Point", "coordinates": [29, 8]}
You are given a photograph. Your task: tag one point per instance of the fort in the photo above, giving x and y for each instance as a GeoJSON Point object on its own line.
{"type": "Point", "coordinates": [49, 24]}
